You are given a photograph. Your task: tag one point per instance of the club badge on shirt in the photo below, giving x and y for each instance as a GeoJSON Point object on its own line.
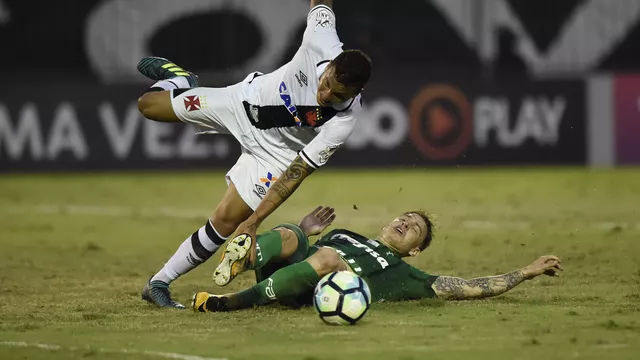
{"type": "Point", "coordinates": [194, 102]}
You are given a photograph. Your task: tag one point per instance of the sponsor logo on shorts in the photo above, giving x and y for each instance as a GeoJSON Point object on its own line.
{"type": "Point", "coordinates": [268, 180]}
{"type": "Point", "coordinates": [259, 191]}
{"type": "Point", "coordinates": [259, 252]}
{"type": "Point", "coordinates": [192, 103]}
{"type": "Point", "coordinates": [269, 290]}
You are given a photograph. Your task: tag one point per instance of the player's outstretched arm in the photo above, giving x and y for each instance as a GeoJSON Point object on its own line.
{"type": "Point", "coordinates": [453, 288]}
{"type": "Point", "coordinates": [328, 3]}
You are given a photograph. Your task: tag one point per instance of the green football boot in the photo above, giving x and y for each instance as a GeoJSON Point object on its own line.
{"type": "Point", "coordinates": [157, 68]}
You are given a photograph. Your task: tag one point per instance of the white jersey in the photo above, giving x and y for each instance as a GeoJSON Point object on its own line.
{"type": "Point", "coordinates": [283, 104]}
{"type": "Point", "coordinates": [275, 117]}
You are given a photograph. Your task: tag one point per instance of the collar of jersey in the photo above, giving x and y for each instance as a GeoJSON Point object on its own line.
{"type": "Point", "coordinates": [394, 251]}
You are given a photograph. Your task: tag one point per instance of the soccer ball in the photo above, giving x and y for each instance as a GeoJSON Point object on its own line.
{"type": "Point", "coordinates": [342, 298]}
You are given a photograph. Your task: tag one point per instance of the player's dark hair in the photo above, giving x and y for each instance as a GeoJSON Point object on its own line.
{"type": "Point", "coordinates": [352, 69]}
{"type": "Point", "coordinates": [429, 236]}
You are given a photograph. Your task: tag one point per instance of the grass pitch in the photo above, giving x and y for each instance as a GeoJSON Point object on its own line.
{"type": "Point", "coordinates": [75, 251]}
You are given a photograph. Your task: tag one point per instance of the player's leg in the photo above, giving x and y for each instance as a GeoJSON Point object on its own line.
{"type": "Point", "coordinates": [209, 110]}
{"type": "Point", "coordinates": [288, 282]}
{"type": "Point", "coordinates": [156, 104]}
{"type": "Point", "coordinates": [285, 243]}
{"type": "Point", "coordinates": [198, 247]}
{"type": "Point", "coordinates": [236, 206]}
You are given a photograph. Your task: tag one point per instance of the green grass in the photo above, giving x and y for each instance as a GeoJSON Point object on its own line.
{"type": "Point", "coordinates": [71, 275]}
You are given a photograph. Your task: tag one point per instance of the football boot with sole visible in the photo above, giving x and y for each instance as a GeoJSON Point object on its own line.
{"type": "Point", "coordinates": [234, 261]}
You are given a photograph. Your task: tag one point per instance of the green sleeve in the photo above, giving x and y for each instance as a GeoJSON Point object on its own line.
{"type": "Point", "coordinates": [401, 282]}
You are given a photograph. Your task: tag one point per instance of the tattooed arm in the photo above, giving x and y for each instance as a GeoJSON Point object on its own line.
{"type": "Point", "coordinates": [328, 3]}
{"type": "Point", "coordinates": [275, 196]}
{"type": "Point", "coordinates": [453, 288]}
{"type": "Point", "coordinates": [282, 189]}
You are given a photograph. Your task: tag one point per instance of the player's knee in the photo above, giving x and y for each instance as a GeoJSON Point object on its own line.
{"type": "Point", "coordinates": [145, 105]}
{"type": "Point", "coordinates": [157, 106]}
{"type": "Point", "coordinates": [225, 220]}
{"type": "Point", "coordinates": [327, 261]}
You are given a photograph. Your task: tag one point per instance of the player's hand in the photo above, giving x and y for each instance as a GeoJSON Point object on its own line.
{"type": "Point", "coordinates": [548, 265]}
{"type": "Point", "coordinates": [318, 220]}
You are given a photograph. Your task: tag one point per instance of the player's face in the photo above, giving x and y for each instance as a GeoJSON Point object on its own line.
{"type": "Point", "coordinates": [331, 91]}
{"type": "Point", "coordinates": [405, 234]}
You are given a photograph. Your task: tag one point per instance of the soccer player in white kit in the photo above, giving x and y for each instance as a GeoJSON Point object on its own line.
{"type": "Point", "coordinates": [289, 122]}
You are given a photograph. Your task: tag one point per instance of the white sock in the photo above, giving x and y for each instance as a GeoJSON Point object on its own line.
{"type": "Point", "coordinates": [178, 82]}
{"type": "Point", "coordinates": [195, 250]}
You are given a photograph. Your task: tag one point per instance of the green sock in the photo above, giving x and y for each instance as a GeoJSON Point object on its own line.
{"type": "Point", "coordinates": [289, 281]}
{"type": "Point", "coordinates": [269, 246]}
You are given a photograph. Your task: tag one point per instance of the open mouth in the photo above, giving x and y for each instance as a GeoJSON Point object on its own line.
{"type": "Point", "coordinates": [399, 230]}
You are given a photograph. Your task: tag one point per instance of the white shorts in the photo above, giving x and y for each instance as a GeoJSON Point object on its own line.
{"type": "Point", "coordinates": [220, 111]}
{"type": "Point", "coordinates": [252, 179]}
{"type": "Point", "coordinates": [214, 111]}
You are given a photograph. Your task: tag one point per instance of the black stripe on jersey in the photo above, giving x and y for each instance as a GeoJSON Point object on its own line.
{"type": "Point", "coordinates": [200, 250]}
{"type": "Point", "coordinates": [277, 116]}
{"type": "Point", "coordinates": [308, 159]}
{"type": "Point", "coordinates": [322, 62]}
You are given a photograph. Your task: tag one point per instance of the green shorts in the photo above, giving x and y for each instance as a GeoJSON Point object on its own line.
{"type": "Point", "coordinates": [302, 252]}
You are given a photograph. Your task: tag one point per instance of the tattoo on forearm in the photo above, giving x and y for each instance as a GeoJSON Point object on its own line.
{"type": "Point", "coordinates": [281, 190]}
{"type": "Point", "coordinates": [296, 170]}
{"type": "Point", "coordinates": [290, 180]}
{"type": "Point", "coordinates": [454, 288]}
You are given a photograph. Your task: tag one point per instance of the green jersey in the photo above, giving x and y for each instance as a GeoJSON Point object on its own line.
{"type": "Point", "coordinates": [388, 276]}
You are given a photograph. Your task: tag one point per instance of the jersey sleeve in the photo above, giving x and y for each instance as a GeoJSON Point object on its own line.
{"type": "Point", "coordinates": [402, 282]}
{"type": "Point", "coordinates": [320, 35]}
{"type": "Point", "coordinates": [331, 136]}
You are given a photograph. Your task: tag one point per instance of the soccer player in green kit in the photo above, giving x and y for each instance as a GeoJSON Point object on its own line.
{"type": "Point", "coordinates": [287, 268]}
